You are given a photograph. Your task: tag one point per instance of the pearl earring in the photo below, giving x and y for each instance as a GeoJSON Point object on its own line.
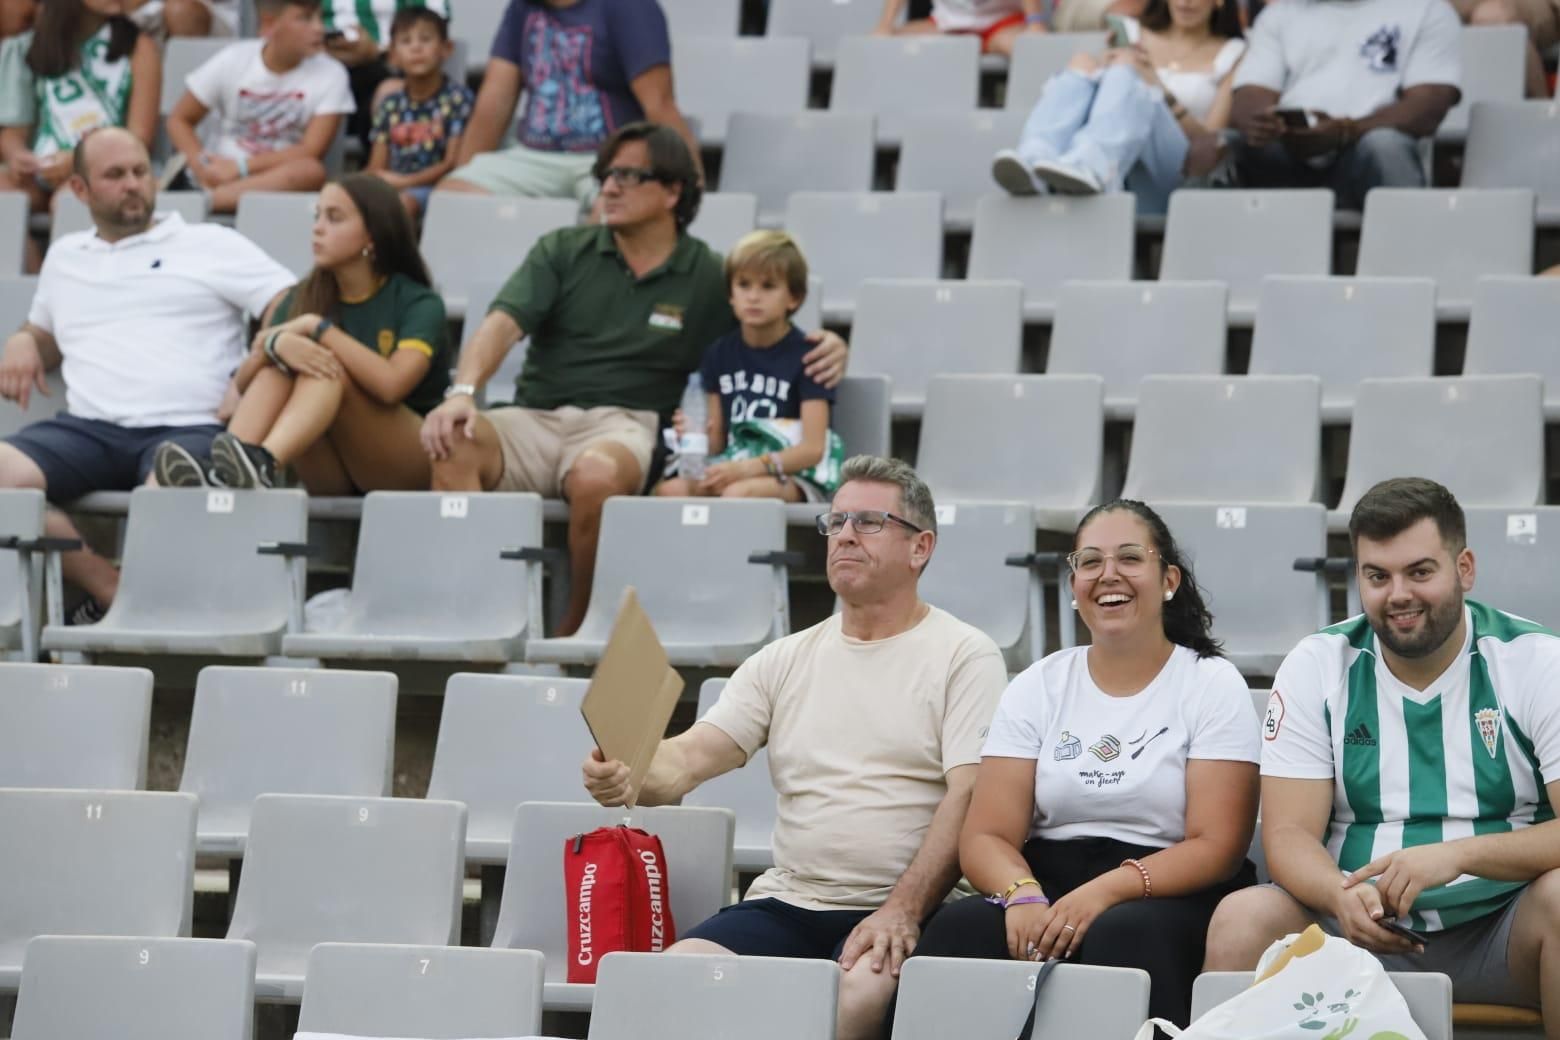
{"type": "Point", "coordinates": [1075, 604]}
{"type": "Point", "coordinates": [368, 251]}
{"type": "Point", "coordinates": [1169, 595]}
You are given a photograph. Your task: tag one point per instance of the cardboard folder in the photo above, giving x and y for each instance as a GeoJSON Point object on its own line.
{"type": "Point", "coordinates": [632, 693]}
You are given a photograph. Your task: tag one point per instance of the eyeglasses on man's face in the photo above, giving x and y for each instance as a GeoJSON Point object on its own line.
{"type": "Point", "coordinates": [628, 176]}
{"type": "Point", "coordinates": [1131, 561]}
{"type": "Point", "coordinates": [865, 521]}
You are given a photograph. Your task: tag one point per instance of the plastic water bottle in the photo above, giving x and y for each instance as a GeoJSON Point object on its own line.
{"type": "Point", "coordinates": [694, 444]}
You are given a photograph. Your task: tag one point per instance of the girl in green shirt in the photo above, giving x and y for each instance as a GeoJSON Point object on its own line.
{"type": "Point", "coordinates": [350, 360]}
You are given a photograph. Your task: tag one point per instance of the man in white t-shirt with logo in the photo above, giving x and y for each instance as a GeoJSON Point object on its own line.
{"type": "Point", "coordinates": [1341, 94]}
{"type": "Point", "coordinates": [1410, 765]}
{"type": "Point", "coordinates": [874, 721]}
{"type": "Point", "coordinates": [145, 317]}
{"type": "Point", "coordinates": [279, 101]}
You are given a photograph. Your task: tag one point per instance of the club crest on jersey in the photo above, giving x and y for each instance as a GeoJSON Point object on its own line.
{"type": "Point", "coordinates": [1488, 722]}
{"type": "Point", "coordinates": [1274, 720]}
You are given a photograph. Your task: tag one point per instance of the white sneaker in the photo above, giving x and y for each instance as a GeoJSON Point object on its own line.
{"type": "Point", "coordinates": [1014, 175]}
{"type": "Point", "coordinates": [1068, 180]}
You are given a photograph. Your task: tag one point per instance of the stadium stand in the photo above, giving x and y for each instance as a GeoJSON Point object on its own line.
{"type": "Point", "coordinates": [471, 238]}
{"type": "Point", "coordinates": [891, 77]}
{"type": "Point", "coordinates": [1512, 144]}
{"type": "Point", "coordinates": [1507, 329]}
{"type": "Point", "coordinates": [640, 996]}
{"type": "Point", "coordinates": [945, 996]}
{"type": "Point", "coordinates": [13, 232]}
{"type": "Point", "coordinates": [747, 792]}
{"type": "Point", "coordinates": [950, 153]}
{"type": "Point", "coordinates": [1049, 242]}
{"type": "Point", "coordinates": [72, 726]}
{"type": "Point", "coordinates": [985, 575]}
{"type": "Point", "coordinates": [1039, 56]}
{"type": "Point", "coordinates": [724, 217]}
{"type": "Point", "coordinates": [1518, 568]}
{"type": "Point", "coordinates": [21, 579]}
{"type": "Point", "coordinates": [851, 237]}
{"type": "Point", "coordinates": [771, 156]}
{"type": "Point", "coordinates": [774, 80]}
{"type": "Point", "coordinates": [279, 222]}
{"type": "Point", "coordinates": [695, 18]}
{"type": "Point", "coordinates": [822, 25]}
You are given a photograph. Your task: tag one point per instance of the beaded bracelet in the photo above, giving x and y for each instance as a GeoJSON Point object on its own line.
{"type": "Point", "coordinates": [1148, 883]}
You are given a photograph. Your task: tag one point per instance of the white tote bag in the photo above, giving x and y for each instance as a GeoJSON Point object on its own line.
{"type": "Point", "coordinates": [1309, 987]}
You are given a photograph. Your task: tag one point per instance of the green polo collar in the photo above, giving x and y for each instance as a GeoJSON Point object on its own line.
{"type": "Point", "coordinates": [682, 260]}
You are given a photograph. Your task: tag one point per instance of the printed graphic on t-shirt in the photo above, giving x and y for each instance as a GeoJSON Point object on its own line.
{"type": "Point", "coordinates": [754, 397]}
{"type": "Point", "coordinates": [1380, 49]}
{"type": "Point", "coordinates": [565, 112]}
{"type": "Point", "coordinates": [268, 121]}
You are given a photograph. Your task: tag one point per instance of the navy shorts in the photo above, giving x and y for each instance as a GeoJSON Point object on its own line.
{"type": "Point", "coordinates": [78, 456]}
{"type": "Point", "coordinates": [771, 928]}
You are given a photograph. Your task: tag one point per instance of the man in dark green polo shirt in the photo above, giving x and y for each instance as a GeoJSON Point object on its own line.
{"type": "Point", "coordinates": [619, 313]}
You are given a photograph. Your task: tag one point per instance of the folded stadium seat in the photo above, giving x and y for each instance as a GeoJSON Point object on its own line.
{"type": "Point", "coordinates": [469, 239]}
{"type": "Point", "coordinates": [913, 329]}
{"type": "Point", "coordinates": [24, 561]}
{"type": "Point", "coordinates": [1000, 438]}
{"type": "Point", "coordinates": [822, 25]}
{"type": "Point", "coordinates": [71, 214]}
{"type": "Point", "coordinates": [891, 76]}
{"type": "Point", "coordinates": [1046, 241]}
{"type": "Point", "coordinates": [1519, 571]}
{"type": "Point", "coordinates": [281, 223]}
{"type": "Point", "coordinates": [477, 25]}
{"type": "Point", "coordinates": [333, 869]}
{"type": "Point", "coordinates": [950, 153]}
{"type": "Point", "coordinates": [503, 740]}
{"type": "Point", "coordinates": [13, 233]}
{"type": "Point", "coordinates": [711, 605]}
{"type": "Point", "coordinates": [748, 792]}
{"type": "Point", "coordinates": [953, 996]}
{"type": "Point", "coordinates": [973, 580]}
{"type": "Point", "coordinates": [74, 726]}
{"type": "Point", "coordinates": [640, 996]}
{"type": "Point", "coordinates": [1039, 56]}
{"type": "Point", "coordinates": [724, 217]}
{"type": "Point", "coordinates": [363, 989]}
{"type": "Point", "coordinates": [424, 606]}
{"type": "Point", "coordinates": [194, 580]}
{"type": "Point", "coordinates": [1509, 330]}
{"type": "Point", "coordinates": [92, 863]}
{"type": "Point", "coordinates": [16, 295]}
{"type": "Point", "coordinates": [1427, 993]}
{"type": "Point", "coordinates": [1244, 557]}
{"type": "Point", "coordinates": [771, 156]}
{"type": "Point", "coordinates": [257, 731]}
{"type": "Point", "coordinates": [696, 18]}
{"type": "Point", "coordinates": [1226, 439]}
{"type": "Point", "coordinates": [861, 417]}
{"type": "Point", "coordinates": [1512, 145]}
{"type": "Point", "coordinates": [717, 76]}
{"type": "Point", "coordinates": [1123, 331]}
{"type": "Point", "coordinates": [698, 867]}
{"type": "Point", "coordinates": [1343, 330]}
{"type": "Point", "coordinates": [1241, 237]}
{"type": "Point", "coordinates": [1494, 58]}
{"type": "Point", "coordinates": [181, 56]}
{"type": "Point", "coordinates": [849, 237]}
{"type": "Point", "coordinates": [1452, 235]}
{"type": "Point", "coordinates": [93, 987]}
{"type": "Point", "coordinates": [1481, 436]}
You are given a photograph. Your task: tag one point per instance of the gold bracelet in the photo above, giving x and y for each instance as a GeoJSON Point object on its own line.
{"type": "Point", "coordinates": [1015, 886]}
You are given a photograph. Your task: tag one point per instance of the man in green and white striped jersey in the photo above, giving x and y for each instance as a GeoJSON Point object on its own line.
{"type": "Point", "coordinates": [1411, 759]}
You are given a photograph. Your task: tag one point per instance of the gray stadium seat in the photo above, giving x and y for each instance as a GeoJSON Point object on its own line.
{"type": "Point", "coordinates": [1519, 571]}
{"type": "Point", "coordinates": [1427, 993]}
{"type": "Point", "coordinates": [642, 996]}
{"type": "Point", "coordinates": [92, 863]}
{"type": "Point", "coordinates": [809, 316]}
{"type": "Point", "coordinates": [182, 55]}
{"type": "Point", "coordinates": [22, 577]}
{"type": "Point", "coordinates": [333, 869]}
{"type": "Point", "coordinates": [186, 553]}
{"type": "Point", "coordinates": [13, 232]}
{"type": "Point", "coordinates": [16, 295]}
{"type": "Point", "coordinates": [1450, 235]}
{"type": "Point", "coordinates": [503, 740]}
{"type": "Point", "coordinates": [1240, 237]}
{"type": "Point", "coordinates": [73, 726]}
{"type": "Point", "coordinates": [70, 213]}
{"type": "Point", "coordinates": [1509, 331]}
{"type": "Point", "coordinates": [1243, 556]}
{"type": "Point", "coordinates": [724, 217]}
{"type": "Point", "coordinates": [696, 18]}
{"type": "Point", "coordinates": [1344, 330]}
{"type": "Point", "coordinates": [1515, 144]}
{"type": "Point", "coordinates": [135, 988]}
{"type": "Point", "coordinates": [980, 433]}
{"type": "Point", "coordinates": [1494, 58]}
{"type": "Point", "coordinates": [698, 866]}
{"type": "Point", "coordinates": [861, 414]}
{"type": "Point", "coordinates": [399, 606]}
{"type": "Point", "coordinates": [257, 731]}
{"type": "Point", "coordinates": [709, 605]}
{"type": "Point", "coordinates": [1481, 436]}
{"type": "Point", "coordinates": [772, 156]}
{"type": "Point", "coordinates": [474, 238]}
{"type": "Point", "coordinates": [822, 24]}
{"type": "Point", "coordinates": [773, 78]}
{"type": "Point", "coordinates": [950, 153]}
{"type": "Point", "coordinates": [480, 292]}
{"type": "Point", "coordinates": [748, 792]}
{"type": "Point", "coordinates": [363, 989]}
{"type": "Point", "coordinates": [973, 582]}
{"type": "Point", "coordinates": [1039, 56]}
{"type": "Point", "coordinates": [477, 23]}
{"type": "Point", "coordinates": [1124, 331]}
{"type": "Point", "coordinates": [279, 222]}
{"type": "Point", "coordinates": [913, 329]}
{"type": "Point", "coordinates": [892, 76]}
{"type": "Point", "coordinates": [1226, 439]}
{"type": "Point", "coordinates": [941, 997]}
{"type": "Point", "coordinates": [849, 237]}
{"type": "Point", "coordinates": [1046, 241]}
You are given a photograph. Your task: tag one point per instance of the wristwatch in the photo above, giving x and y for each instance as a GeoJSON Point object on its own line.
{"type": "Point", "coordinates": [324, 326]}
{"type": "Point", "coordinates": [457, 389]}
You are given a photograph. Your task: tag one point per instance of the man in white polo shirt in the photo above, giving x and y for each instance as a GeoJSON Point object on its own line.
{"type": "Point", "coordinates": [1339, 93]}
{"type": "Point", "coordinates": [146, 317]}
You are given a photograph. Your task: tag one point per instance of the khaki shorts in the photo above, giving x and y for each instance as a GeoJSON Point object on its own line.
{"type": "Point", "coordinates": [518, 170]}
{"type": "Point", "coordinates": [539, 447]}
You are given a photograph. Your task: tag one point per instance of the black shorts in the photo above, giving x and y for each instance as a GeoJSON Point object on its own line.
{"type": "Point", "coordinates": [771, 928]}
{"type": "Point", "coordinates": [78, 456]}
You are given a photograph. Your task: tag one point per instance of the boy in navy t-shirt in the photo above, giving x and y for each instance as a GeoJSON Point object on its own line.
{"type": "Point", "coordinates": [769, 421]}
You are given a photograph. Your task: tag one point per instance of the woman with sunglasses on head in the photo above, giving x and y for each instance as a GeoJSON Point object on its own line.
{"type": "Point", "coordinates": [1117, 789]}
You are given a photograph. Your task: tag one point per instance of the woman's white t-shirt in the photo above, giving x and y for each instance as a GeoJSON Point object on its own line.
{"type": "Point", "coordinates": [1115, 767]}
{"type": "Point", "coordinates": [1196, 89]}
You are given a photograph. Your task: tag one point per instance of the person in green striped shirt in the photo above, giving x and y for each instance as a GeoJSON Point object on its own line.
{"type": "Point", "coordinates": [1408, 772]}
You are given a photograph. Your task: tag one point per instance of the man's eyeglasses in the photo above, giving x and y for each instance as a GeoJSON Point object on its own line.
{"type": "Point", "coordinates": [627, 176]}
{"type": "Point", "coordinates": [865, 521]}
{"type": "Point", "coordinates": [1131, 560]}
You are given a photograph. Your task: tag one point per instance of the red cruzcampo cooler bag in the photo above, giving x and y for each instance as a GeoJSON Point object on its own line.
{"type": "Point", "coordinates": [618, 899]}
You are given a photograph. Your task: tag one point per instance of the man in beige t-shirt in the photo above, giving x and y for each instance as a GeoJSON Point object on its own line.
{"type": "Point", "coordinates": [874, 721]}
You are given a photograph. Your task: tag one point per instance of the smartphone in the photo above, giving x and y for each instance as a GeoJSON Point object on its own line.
{"type": "Point", "coordinates": [1295, 118]}
{"type": "Point", "coordinates": [1391, 925]}
{"type": "Point", "coordinates": [1118, 31]}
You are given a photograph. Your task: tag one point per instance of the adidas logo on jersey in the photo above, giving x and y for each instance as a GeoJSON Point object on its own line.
{"type": "Point", "coordinates": [1360, 736]}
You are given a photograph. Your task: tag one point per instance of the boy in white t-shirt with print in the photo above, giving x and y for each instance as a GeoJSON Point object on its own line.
{"type": "Point", "coordinates": [280, 102]}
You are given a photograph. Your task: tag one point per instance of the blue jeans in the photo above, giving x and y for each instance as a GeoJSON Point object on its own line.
{"type": "Point", "coordinates": [1382, 158]}
{"type": "Point", "coordinates": [1112, 125]}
